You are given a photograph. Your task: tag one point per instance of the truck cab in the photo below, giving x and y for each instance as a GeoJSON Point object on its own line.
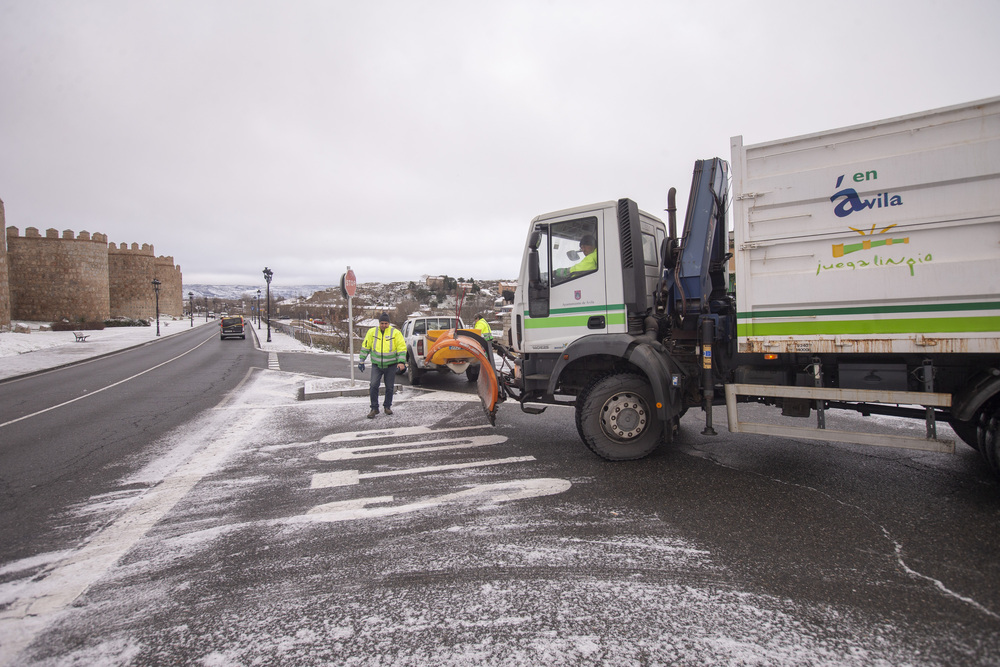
{"type": "Point", "coordinates": [582, 328]}
{"type": "Point", "coordinates": [562, 297]}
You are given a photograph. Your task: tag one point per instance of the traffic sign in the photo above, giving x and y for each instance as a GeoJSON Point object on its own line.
{"type": "Point", "coordinates": [348, 284]}
{"type": "Point", "coordinates": [351, 283]}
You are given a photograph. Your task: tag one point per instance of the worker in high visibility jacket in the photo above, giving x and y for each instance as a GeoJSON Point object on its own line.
{"type": "Point", "coordinates": [387, 348]}
{"type": "Point", "coordinates": [588, 246]}
{"type": "Point", "coordinates": [483, 327]}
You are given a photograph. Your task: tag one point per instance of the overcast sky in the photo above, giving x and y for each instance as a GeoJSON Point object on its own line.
{"type": "Point", "coordinates": [405, 138]}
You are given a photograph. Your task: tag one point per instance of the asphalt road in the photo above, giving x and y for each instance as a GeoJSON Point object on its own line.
{"type": "Point", "coordinates": [267, 530]}
{"type": "Point", "coordinates": [71, 433]}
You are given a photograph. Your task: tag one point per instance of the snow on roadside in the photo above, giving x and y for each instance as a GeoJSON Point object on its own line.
{"type": "Point", "coordinates": [22, 354]}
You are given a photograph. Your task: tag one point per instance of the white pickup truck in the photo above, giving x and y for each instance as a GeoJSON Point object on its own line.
{"type": "Point", "coordinates": [420, 334]}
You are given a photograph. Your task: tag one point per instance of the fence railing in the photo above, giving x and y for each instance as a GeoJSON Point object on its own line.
{"type": "Point", "coordinates": [324, 340]}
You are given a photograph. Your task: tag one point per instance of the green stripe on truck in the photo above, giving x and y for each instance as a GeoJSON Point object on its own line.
{"type": "Point", "coordinates": [921, 325]}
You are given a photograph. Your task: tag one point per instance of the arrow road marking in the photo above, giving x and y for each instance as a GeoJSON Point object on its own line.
{"type": "Point", "coordinates": [395, 432]}
{"type": "Point", "coordinates": [482, 494]}
{"type": "Point", "coordinates": [409, 448]}
{"type": "Point", "coordinates": [324, 480]}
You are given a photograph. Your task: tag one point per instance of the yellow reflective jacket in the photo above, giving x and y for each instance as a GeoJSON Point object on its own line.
{"type": "Point", "coordinates": [588, 263]}
{"type": "Point", "coordinates": [483, 327]}
{"type": "Point", "coordinates": [386, 347]}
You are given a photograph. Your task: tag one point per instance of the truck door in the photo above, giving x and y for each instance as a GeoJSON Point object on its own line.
{"type": "Point", "coordinates": [572, 255]}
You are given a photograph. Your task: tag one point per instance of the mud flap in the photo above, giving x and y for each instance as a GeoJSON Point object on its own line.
{"type": "Point", "coordinates": [488, 386]}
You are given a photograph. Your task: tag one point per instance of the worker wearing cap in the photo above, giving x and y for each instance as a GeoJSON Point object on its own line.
{"type": "Point", "coordinates": [387, 347]}
{"type": "Point", "coordinates": [588, 246]}
{"type": "Point", "coordinates": [483, 327]}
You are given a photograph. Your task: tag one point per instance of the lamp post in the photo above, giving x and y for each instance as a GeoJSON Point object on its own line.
{"type": "Point", "coordinates": [191, 307]}
{"type": "Point", "coordinates": [156, 289]}
{"type": "Point", "coordinates": [206, 309]}
{"type": "Point", "coordinates": [258, 310]}
{"type": "Point", "coordinates": [267, 277]}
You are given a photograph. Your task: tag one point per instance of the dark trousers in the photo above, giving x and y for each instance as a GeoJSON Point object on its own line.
{"type": "Point", "coordinates": [389, 373]}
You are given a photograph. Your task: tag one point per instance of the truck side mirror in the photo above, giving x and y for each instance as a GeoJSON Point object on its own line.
{"type": "Point", "coordinates": [534, 273]}
{"type": "Point", "coordinates": [538, 291]}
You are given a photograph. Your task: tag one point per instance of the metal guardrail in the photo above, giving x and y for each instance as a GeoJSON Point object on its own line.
{"type": "Point", "coordinates": [312, 336]}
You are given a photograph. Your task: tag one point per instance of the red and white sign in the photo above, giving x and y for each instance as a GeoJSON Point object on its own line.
{"type": "Point", "coordinates": [350, 283]}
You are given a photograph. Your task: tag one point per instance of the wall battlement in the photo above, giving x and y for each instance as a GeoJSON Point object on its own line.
{"type": "Point", "coordinates": [124, 249]}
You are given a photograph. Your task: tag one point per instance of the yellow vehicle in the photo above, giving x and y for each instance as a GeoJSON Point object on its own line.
{"type": "Point", "coordinates": [232, 326]}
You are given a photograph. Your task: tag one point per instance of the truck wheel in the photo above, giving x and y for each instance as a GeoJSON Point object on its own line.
{"type": "Point", "coordinates": [616, 419]}
{"type": "Point", "coordinates": [472, 373]}
{"type": "Point", "coordinates": [969, 431]}
{"type": "Point", "coordinates": [412, 372]}
{"type": "Point", "coordinates": [989, 438]}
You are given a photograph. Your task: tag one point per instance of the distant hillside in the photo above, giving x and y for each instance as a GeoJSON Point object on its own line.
{"type": "Point", "coordinates": [385, 293]}
{"type": "Point", "coordinates": [239, 291]}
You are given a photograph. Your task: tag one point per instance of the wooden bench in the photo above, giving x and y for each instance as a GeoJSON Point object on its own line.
{"type": "Point", "coordinates": [80, 337]}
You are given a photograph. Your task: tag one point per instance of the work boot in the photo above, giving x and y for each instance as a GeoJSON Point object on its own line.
{"type": "Point", "coordinates": [373, 414]}
{"type": "Point", "coordinates": [388, 410]}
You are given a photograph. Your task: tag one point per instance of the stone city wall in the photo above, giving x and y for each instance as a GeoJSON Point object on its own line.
{"type": "Point", "coordinates": [172, 288]}
{"type": "Point", "coordinates": [130, 277]}
{"type": "Point", "coordinates": [4, 278]}
{"type": "Point", "coordinates": [81, 277]}
{"type": "Point", "coordinates": [53, 277]}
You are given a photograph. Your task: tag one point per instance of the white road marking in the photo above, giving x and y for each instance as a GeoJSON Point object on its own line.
{"type": "Point", "coordinates": [272, 361]}
{"type": "Point", "coordinates": [395, 432]}
{"type": "Point", "coordinates": [409, 448]}
{"type": "Point", "coordinates": [325, 480]}
{"type": "Point", "coordinates": [485, 494]}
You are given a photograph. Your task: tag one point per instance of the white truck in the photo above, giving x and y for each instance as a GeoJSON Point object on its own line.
{"type": "Point", "coordinates": [421, 333]}
{"type": "Point", "coordinates": [866, 277]}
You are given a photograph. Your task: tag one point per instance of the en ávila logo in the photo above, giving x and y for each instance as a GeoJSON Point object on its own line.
{"type": "Point", "coordinates": [851, 202]}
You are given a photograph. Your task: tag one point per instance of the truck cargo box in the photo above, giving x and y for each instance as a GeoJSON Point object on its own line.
{"type": "Point", "coordinates": [876, 238]}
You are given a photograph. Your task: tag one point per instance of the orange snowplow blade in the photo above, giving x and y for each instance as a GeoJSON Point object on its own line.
{"type": "Point", "coordinates": [447, 354]}
{"type": "Point", "coordinates": [461, 342]}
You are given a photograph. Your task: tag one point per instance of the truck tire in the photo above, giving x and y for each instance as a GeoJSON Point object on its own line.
{"type": "Point", "coordinates": [472, 373]}
{"type": "Point", "coordinates": [412, 372]}
{"type": "Point", "coordinates": [989, 438]}
{"type": "Point", "coordinates": [616, 418]}
{"type": "Point", "coordinates": [969, 431]}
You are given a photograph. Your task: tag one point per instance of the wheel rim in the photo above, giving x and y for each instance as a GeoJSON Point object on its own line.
{"type": "Point", "coordinates": [624, 416]}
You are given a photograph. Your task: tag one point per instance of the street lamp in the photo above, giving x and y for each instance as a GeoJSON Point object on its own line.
{"type": "Point", "coordinates": [258, 310]}
{"type": "Point", "coordinates": [267, 277]}
{"type": "Point", "coordinates": [206, 308]}
{"type": "Point", "coordinates": [156, 289]}
{"type": "Point", "coordinates": [191, 306]}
